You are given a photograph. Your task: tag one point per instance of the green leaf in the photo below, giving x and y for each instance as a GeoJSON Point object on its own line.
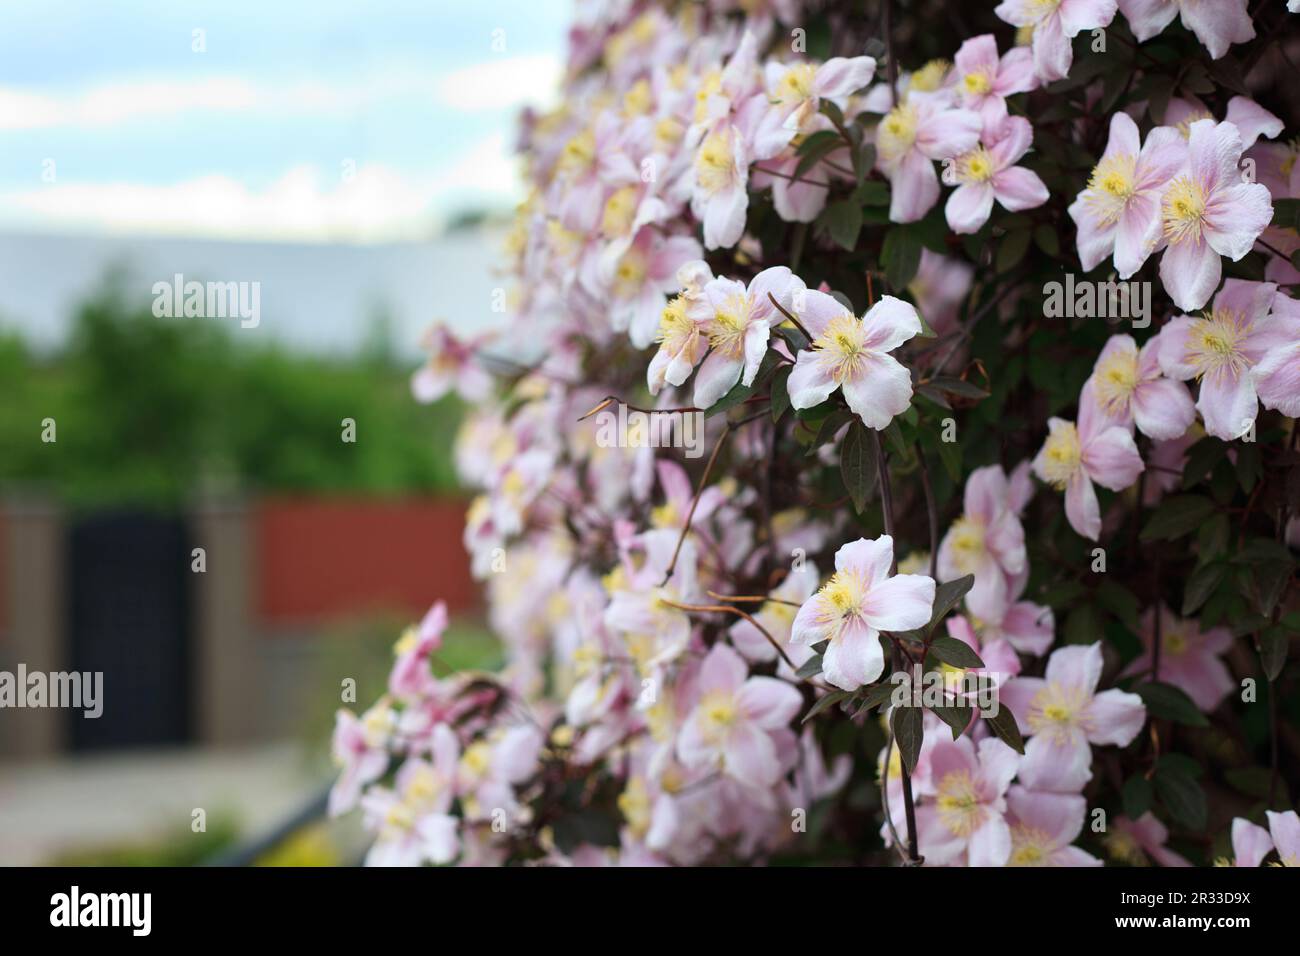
{"type": "Point", "coordinates": [1045, 238]}
{"type": "Point", "coordinates": [1138, 796]}
{"type": "Point", "coordinates": [809, 668]}
{"type": "Point", "coordinates": [956, 386]}
{"type": "Point", "coordinates": [900, 256]}
{"type": "Point", "coordinates": [908, 724]}
{"type": "Point", "coordinates": [872, 193]}
{"type": "Point", "coordinates": [826, 700]}
{"type": "Point", "coordinates": [1171, 703]}
{"type": "Point", "coordinates": [1003, 724]}
{"type": "Point", "coordinates": [815, 147]}
{"type": "Point", "coordinates": [842, 220]}
{"type": "Point", "coordinates": [1273, 647]}
{"type": "Point", "coordinates": [1271, 581]}
{"type": "Point", "coordinates": [1176, 516]}
{"type": "Point", "coordinates": [957, 717]}
{"type": "Point", "coordinates": [831, 424]}
{"type": "Point", "coordinates": [858, 466]}
{"type": "Point", "coordinates": [954, 652]}
{"type": "Point", "coordinates": [1012, 249]}
{"type": "Point", "coordinates": [1201, 584]}
{"type": "Point", "coordinates": [1182, 797]}
{"type": "Point", "coordinates": [876, 695]}
{"type": "Point", "coordinates": [780, 391]}
{"type": "Point", "coordinates": [946, 597]}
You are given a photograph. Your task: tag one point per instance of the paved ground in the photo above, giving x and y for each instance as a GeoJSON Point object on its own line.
{"type": "Point", "coordinates": [78, 803]}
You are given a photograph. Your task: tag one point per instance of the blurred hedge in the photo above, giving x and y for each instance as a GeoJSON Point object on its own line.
{"type": "Point", "coordinates": [148, 410]}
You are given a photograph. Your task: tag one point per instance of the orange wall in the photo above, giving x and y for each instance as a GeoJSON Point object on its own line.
{"type": "Point", "coordinates": [325, 558]}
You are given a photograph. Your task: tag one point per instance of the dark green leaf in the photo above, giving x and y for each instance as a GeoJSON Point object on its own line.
{"type": "Point", "coordinates": [1171, 703]}
{"type": "Point", "coordinates": [1137, 796]}
{"type": "Point", "coordinates": [954, 652]}
{"type": "Point", "coordinates": [1182, 797]}
{"type": "Point", "coordinates": [780, 391]}
{"type": "Point", "coordinates": [858, 467]}
{"type": "Point", "coordinates": [1176, 516]}
{"type": "Point", "coordinates": [908, 724]}
{"type": "Point", "coordinates": [1273, 646]}
{"type": "Point", "coordinates": [842, 220]}
{"type": "Point", "coordinates": [826, 700]}
{"type": "Point", "coordinates": [1003, 724]}
{"type": "Point", "coordinates": [901, 256]}
{"type": "Point", "coordinates": [1200, 585]}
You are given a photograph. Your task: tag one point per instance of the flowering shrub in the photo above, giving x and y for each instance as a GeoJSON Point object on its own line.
{"type": "Point", "coordinates": [987, 562]}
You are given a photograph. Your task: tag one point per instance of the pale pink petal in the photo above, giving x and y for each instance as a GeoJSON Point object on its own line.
{"type": "Point", "coordinates": [881, 390]}
{"type": "Point", "coordinates": [715, 378]}
{"type": "Point", "coordinates": [969, 207]}
{"type": "Point", "coordinates": [749, 755]}
{"type": "Point", "coordinates": [1228, 403]}
{"type": "Point", "coordinates": [1146, 18]}
{"type": "Point", "coordinates": [1056, 765]}
{"type": "Point", "coordinates": [868, 559]}
{"type": "Point", "coordinates": [901, 603]}
{"type": "Point", "coordinates": [1111, 459]}
{"type": "Point", "coordinates": [1082, 508]}
{"type": "Point", "coordinates": [853, 659]}
{"type": "Point", "coordinates": [889, 323]}
{"type": "Point", "coordinates": [810, 382]}
{"type": "Point", "coordinates": [768, 702]}
{"type": "Point", "coordinates": [1116, 717]}
{"type": "Point", "coordinates": [723, 670]}
{"type": "Point", "coordinates": [1190, 272]}
{"type": "Point", "coordinates": [1018, 188]}
{"type": "Point", "coordinates": [1163, 409]}
{"type": "Point", "coordinates": [1250, 843]}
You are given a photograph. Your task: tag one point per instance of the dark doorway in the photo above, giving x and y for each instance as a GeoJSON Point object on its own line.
{"type": "Point", "coordinates": [129, 617]}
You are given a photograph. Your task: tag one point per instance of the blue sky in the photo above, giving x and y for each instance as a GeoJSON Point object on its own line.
{"type": "Point", "coordinates": [298, 120]}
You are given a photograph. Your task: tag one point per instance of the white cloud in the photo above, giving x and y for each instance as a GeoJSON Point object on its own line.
{"type": "Point", "coordinates": [375, 203]}
{"type": "Point", "coordinates": [503, 83]}
{"type": "Point", "coordinates": [497, 84]}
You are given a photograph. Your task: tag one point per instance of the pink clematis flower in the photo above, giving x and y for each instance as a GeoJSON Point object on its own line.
{"type": "Point", "coordinates": [966, 814]}
{"type": "Point", "coordinates": [795, 90]}
{"type": "Point", "coordinates": [852, 355]}
{"type": "Point", "coordinates": [732, 725]}
{"type": "Point", "coordinates": [985, 81]}
{"type": "Point", "coordinates": [1055, 24]}
{"type": "Point", "coordinates": [1209, 212]}
{"type": "Point", "coordinates": [988, 172]}
{"type": "Point", "coordinates": [939, 288]}
{"type": "Point", "coordinates": [720, 197]}
{"type": "Point", "coordinates": [1251, 843]}
{"type": "Point", "coordinates": [1073, 458]}
{"type": "Point", "coordinates": [987, 541]}
{"type": "Point", "coordinates": [637, 278]}
{"type": "Point", "coordinates": [777, 618]}
{"type": "Point", "coordinates": [360, 748]}
{"type": "Point", "coordinates": [411, 674]}
{"type": "Point", "coordinates": [683, 329]}
{"type": "Point", "coordinates": [855, 605]}
{"type": "Point", "coordinates": [1222, 349]}
{"type": "Point", "coordinates": [1064, 713]}
{"type": "Point", "coordinates": [1134, 841]}
{"type": "Point", "coordinates": [1129, 389]}
{"type": "Point", "coordinates": [916, 132]}
{"type": "Point", "coordinates": [452, 365]}
{"type": "Point", "coordinates": [1277, 375]}
{"type": "Point", "coordinates": [1189, 658]}
{"type": "Point", "coordinates": [414, 821]}
{"type": "Point", "coordinates": [1043, 825]}
{"type": "Point", "coordinates": [1120, 213]}
{"type": "Point", "coordinates": [1217, 23]}
{"type": "Point", "coordinates": [741, 323]}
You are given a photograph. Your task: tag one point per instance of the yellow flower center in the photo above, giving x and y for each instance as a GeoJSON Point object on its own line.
{"type": "Point", "coordinates": [717, 714]}
{"type": "Point", "coordinates": [1112, 184]}
{"type": "Point", "coordinates": [1184, 211]}
{"type": "Point", "coordinates": [727, 335]}
{"type": "Point", "coordinates": [842, 341]}
{"type": "Point", "coordinates": [929, 77]}
{"type": "Point", "coordinates": [1116, 378]}
{"type": "Point", "coordinates": [967, 544]}
{"type": "Point", "coordinates": [977, 83]}
{"type": "Point", "coordinates": [620, 212]}
{"type": "Point", "coordinates": [1029, 846]}
{"type": "Point", "coordinates": [1214, 343]}
{"type": "Point", "coordinates": [1056, 711]}
{"type": "Point", "coordinates": [1062, 456]}
{"type": "Point", "coordinates": [975, 166]}
{"type": "Point", "coordinates": [715, 164]}
{"type": "Point", "coordinates": [958, 804]}
{"type": "Point", "coordinates": [897, 131]}
{"type": "Point", "coordinates": [796, 84]}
